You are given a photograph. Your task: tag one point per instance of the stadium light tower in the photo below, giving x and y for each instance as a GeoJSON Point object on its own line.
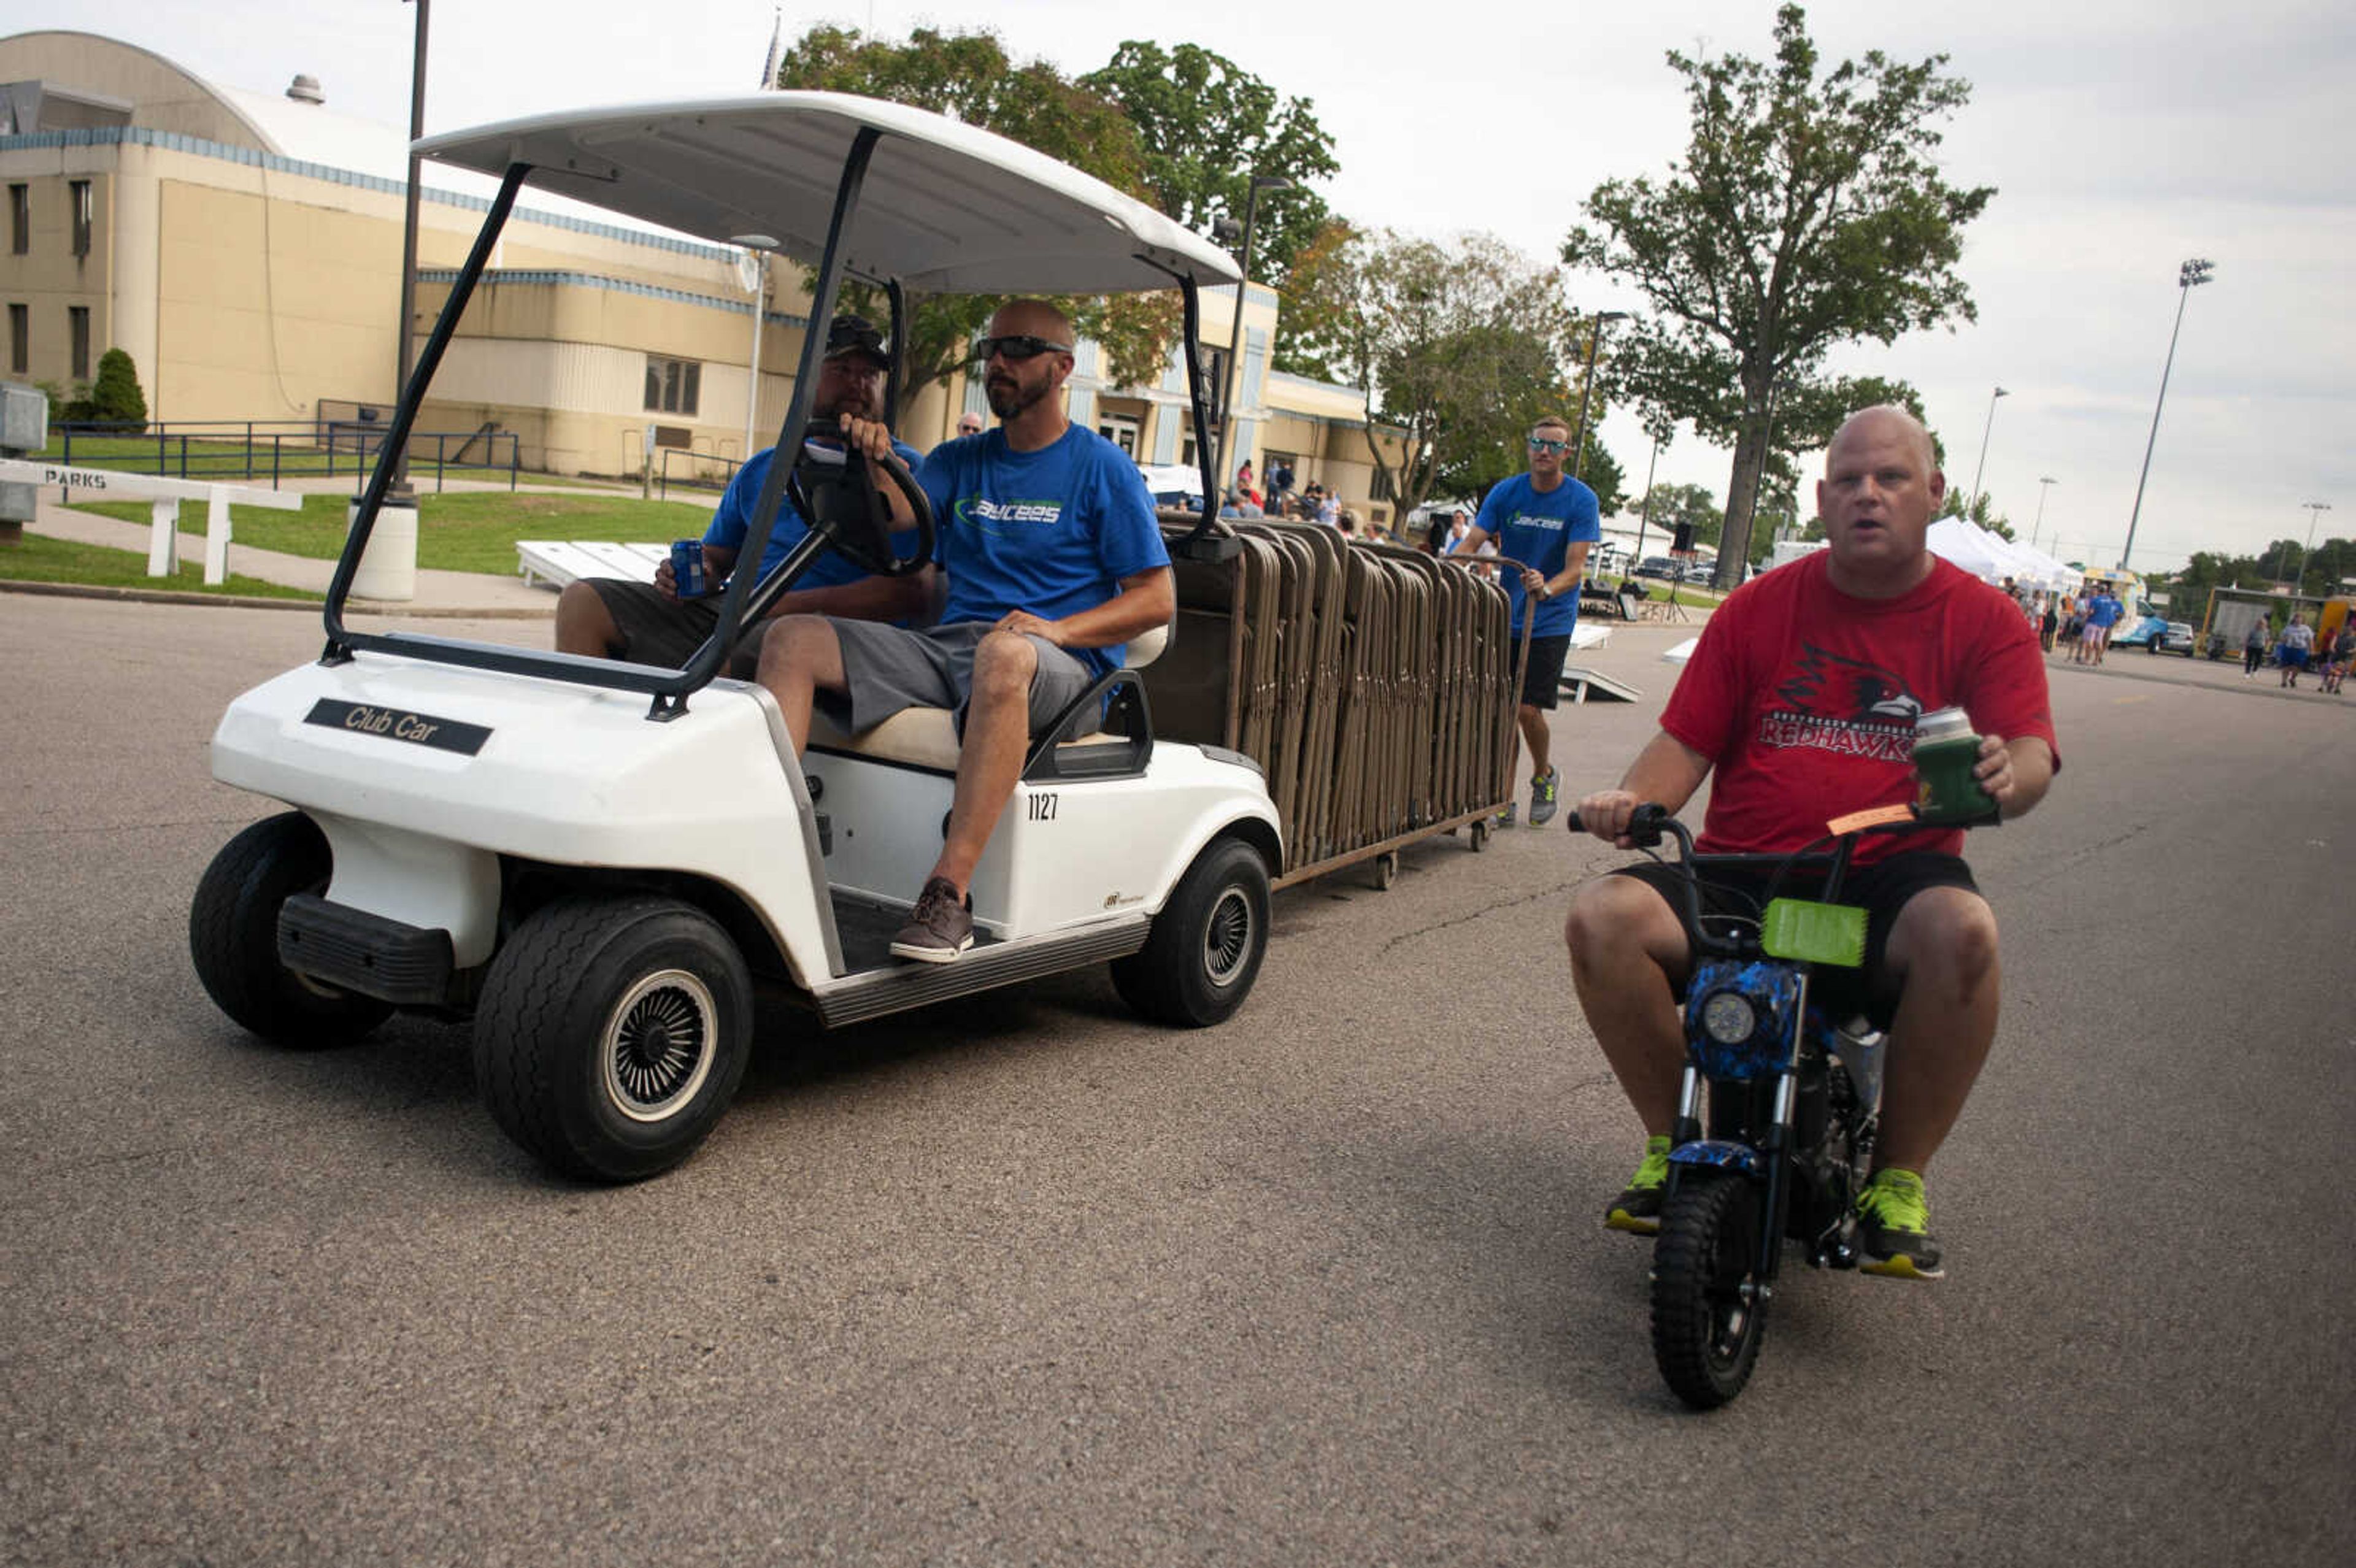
{"type": "Point", "coordinates": [2190, 276]}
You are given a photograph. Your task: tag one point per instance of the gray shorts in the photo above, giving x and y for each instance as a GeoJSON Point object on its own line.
{"type": "Point", "coordinates": [887, 668]}
{"type": "Point", "coordinates": [655, 629]}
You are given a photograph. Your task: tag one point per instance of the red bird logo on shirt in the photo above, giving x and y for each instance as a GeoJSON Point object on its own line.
{"type": "Point", "coordinates": [1834, 687]}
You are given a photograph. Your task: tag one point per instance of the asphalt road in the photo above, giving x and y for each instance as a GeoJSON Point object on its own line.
{"type": "Point", "coordinates": [1022, 1280]}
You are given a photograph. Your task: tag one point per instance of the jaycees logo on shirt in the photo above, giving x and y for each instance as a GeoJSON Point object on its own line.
{"type": "Point", "coordinates": [1536, 520]}
{"type": "Point", "coordinates": [1842, 705]}
{"type": "Point", "coordinates": [991, 516]}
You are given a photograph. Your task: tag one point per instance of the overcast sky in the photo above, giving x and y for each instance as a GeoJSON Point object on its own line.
{"type": "Point", "coordinates": [2121, 140]}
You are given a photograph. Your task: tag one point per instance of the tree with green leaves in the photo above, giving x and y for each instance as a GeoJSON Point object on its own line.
{"type": "Point", "coordinates": [1461, 348]}
{"type": "Point", "coordinates": [970, 78]}
{"type": "Point", "coordinates": [1666, 506]}
{"type": "Point", "coordinates": [1808, 212]}
{"type": "Point", "coordinates": [1208, 128]}
{"type": "Point", "coordinates": [1977, 510]}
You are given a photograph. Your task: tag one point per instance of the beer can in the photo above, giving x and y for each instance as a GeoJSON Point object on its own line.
{"type": "Point", "coordinates": [687, 567]}
{"type": "Point", "coordinates": [1945, 752]}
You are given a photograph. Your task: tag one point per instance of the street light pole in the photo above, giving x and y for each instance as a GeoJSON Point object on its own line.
{"type": "Point", "coordinates": [2314, 510]}
{"type": "Point", "coordinates": [1645, 517]}
{"type": "Point", "coordinates": [2043, 485]}
{"type": "Point", "coordinates": [2190, 276]}
{"type": "Point", "coordinates": [406, 348]}
{"type": "Point", "coordinates": [759, 245]}
{"type": "Point", "coordinates": [1232, 370]}
{"type": "Point", "coordinates": [1586, 385]}
{"type": "Point", "coordinates": [1981, 467]}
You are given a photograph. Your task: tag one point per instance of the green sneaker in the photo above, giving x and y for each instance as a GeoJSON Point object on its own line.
{"type": "Point", "coordinates": [1505, 818]}
{"type": "Point", "coordinates": [1896, 1232]}
{"type": "Point", "coordinates": [1543, 790]}
{"type": "Point", "coordinates": [1637, 1210]}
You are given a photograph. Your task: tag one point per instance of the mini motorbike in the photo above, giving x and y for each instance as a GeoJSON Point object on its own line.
{"type": "Point", "coordinates": [1778, 1113]}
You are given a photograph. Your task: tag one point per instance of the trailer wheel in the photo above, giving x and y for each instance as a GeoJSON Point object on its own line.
{"type": "Point", "coordinates": [1198, 963]}
{"type": "Point", "coordinates": [1481, 831]}
{"type": "Point", "coordinates": [233, 938]}
{"type": "Point", "coordinates": [1387, 870]}
{"type": "Point", "coordinates": [612, 1034]}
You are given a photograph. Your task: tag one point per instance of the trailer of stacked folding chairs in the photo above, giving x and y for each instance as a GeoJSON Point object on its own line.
{"type": "Point", "coordinates": [1374, 687]}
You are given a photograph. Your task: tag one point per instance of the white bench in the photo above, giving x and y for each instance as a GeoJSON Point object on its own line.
{"type": "Point", "coordinates": [558, 561]}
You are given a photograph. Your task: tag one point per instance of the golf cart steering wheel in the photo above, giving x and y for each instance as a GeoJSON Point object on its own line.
{"type": "Point", "coordinates": [837, 496]}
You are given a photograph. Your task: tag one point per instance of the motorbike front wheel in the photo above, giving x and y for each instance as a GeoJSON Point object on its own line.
{"type": "Point", "coordinates": [1707, 1319]}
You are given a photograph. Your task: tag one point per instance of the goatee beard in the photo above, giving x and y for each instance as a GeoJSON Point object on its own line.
{"type": "Point", "coordinates": [1009, 399]}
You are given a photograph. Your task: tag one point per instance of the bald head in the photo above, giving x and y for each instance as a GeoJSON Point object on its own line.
{"type": "Point", "coordinates": [1885, 418]}
{"type": "Point", "coordinates": [1881, 489]}
{"type": "Point", "coordinates": [1034, 318]}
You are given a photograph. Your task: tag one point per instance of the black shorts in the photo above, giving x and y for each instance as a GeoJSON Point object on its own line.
{"type": "Point", "coordinates": [1881, 890]}
{"type": "Point", "coordinates": [1542, 683]}
{"type": "Point", "coordinates": [655, 629]}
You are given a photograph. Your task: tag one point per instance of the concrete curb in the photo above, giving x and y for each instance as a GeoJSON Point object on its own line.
{"type": "Point", "coordinates": [247, 602]}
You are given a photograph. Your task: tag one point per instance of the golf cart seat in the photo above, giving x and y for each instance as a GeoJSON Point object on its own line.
{"type": "Point", "coordinates": [927, 738]}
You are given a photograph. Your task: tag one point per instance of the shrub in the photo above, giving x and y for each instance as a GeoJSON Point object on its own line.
{"type": "Point", "coordinates": [115, 398]}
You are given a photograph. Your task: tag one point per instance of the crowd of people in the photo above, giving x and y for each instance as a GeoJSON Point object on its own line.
{"type": "Point", "coordinates": [2298, 649]}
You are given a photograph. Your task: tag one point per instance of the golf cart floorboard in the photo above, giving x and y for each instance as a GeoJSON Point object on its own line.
{"type": "Point", "coordinates": [877, 983]}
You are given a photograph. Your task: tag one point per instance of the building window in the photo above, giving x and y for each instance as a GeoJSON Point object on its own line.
{"type": "Point", "coordinates": [81, 219]}
{"type": "Point", "coordinates": [20, 219]}
{"type": "Point", "coordinates": [20, 339]}
{"type": "Point", "coordinates": [78, 332]}
{"type": "Point", "coordinates": [1119, 429]}
{"type": "Point", "coordinates": [673, 386]}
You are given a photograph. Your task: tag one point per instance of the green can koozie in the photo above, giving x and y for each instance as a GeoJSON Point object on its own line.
{"type": "Point", "coordinates": [1945, 752]}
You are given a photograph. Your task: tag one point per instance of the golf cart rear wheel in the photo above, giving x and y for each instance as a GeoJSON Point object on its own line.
{"type": "Point", "coordinates": [612, 1034]}
{"type": "Point", "coordinates": [1708, 1315]}
{"type": "Point", "coordinates": [1199, 963]}
{"type": "Point", "coordinates": [233, 938]}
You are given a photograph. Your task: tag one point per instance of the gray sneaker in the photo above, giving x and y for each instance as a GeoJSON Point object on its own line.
{"type": "Point", "coordinates": [1543, 790]}
{"type": "Point", "coordinates": [940, 926]}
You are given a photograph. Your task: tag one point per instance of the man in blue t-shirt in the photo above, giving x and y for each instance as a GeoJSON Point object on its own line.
{"type": "Point", "coordinates": [1545, 522]}
{"type": "Point", "coordinates": [650, 624]}
{"type": "Point", "coordinates": [1054, 562]}
{"type": "Point", "coordinates": [2104, 613]}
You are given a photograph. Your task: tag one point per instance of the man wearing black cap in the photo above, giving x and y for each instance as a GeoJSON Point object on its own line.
{"type": "Point", "coordinates": [650, 624]}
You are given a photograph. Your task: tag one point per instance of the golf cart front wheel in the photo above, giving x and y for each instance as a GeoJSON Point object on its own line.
{"type": "Point", "coordinates": [1710, 1313]}
{"type": "Point", "coordinates": [1203, 952]}
{"type": "Point", "coordinates": [612, 1034]}
{"type": "Point", "coordinates": [233, 938]}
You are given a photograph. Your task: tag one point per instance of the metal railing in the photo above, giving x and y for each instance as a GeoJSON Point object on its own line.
{"type": "Point", "coordinates": [702, 471]}
{"type": "Point", "coordinates": [278, 450]}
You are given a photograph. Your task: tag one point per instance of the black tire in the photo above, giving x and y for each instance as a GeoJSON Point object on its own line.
{"type": "Point", "coordinates": [233, 938]}
{"type": "Point", "coordinates": [1706, 1334]}
{"type": "Point", "coordinates": [612, 1033]}
{"type": "Point", "coordinates": [1198, 963]}
{"type": "Point", "coordinates": [1481, 831]}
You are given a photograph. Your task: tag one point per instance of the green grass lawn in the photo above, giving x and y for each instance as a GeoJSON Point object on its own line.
{"type": "Point", "coordinates": [42, 559]}
{"type": "Point", "coordinates": [471, 531]}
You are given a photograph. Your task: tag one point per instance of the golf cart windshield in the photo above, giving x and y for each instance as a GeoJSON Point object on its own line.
{"type": "Point", "coordinates": [879, 191]}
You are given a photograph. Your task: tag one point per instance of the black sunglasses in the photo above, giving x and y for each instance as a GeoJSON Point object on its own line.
{"type": "Point", "coordinates": [1017, 348]}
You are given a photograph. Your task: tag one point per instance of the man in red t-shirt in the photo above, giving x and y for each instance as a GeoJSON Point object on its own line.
{"type": "Point", "coordinates": [1802, 698]}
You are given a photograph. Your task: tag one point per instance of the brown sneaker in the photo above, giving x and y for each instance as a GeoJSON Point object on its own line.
{"type": "Point", "coordinates": [940, 926]}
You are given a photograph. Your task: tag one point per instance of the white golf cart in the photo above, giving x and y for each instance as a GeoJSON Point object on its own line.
{"type": "Point", "coordinates": [596, 860]}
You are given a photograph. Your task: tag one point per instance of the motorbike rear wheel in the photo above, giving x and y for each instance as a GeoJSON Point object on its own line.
{"type": "Point", "coordinates": [1708, 1318]}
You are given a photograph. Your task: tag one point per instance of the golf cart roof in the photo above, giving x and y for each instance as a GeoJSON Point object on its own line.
{"type": "Point", "coordinates": [946, 208]}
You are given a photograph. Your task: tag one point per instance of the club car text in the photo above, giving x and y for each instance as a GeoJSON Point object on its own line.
{"type": "Point", "coordinates": [398, 724]}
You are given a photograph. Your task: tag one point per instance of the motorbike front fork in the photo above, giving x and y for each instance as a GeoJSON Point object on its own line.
{"type": "Point", "coordinates": [1776, 1196]}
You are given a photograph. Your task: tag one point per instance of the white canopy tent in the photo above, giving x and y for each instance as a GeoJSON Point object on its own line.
{"type": "Point", "coordinates": [1955, 539]}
